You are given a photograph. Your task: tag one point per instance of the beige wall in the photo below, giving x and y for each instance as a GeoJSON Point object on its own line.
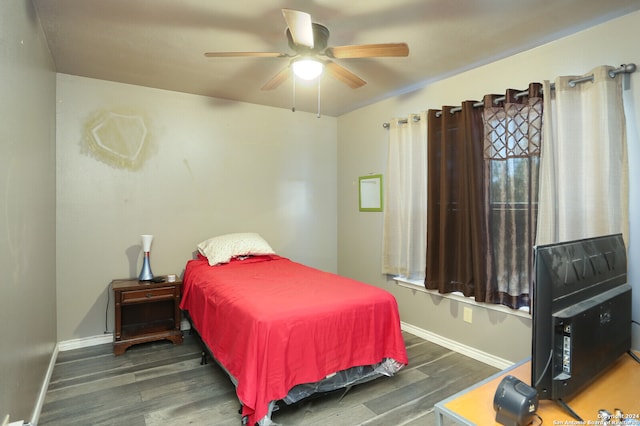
{"type": "Point", "coordinates": [209, 167]}
{"type": "Point", "coordinates": [27, 219]}
{"type": "Point", "coordinates": [212, 166]}
{"type": "Point", "coordinates": [362, 149]}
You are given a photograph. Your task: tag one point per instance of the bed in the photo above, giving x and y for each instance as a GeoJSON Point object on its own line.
{"type": "Point", "coordinates": [282, 330]}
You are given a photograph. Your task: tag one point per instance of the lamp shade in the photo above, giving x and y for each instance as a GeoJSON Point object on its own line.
{"type": "Point", "coordinates": [146, 242]}
{"type": "Point", "coordinates": [307, 69]}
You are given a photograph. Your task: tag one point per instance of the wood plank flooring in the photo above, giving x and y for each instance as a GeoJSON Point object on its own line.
{"type": "Point", "coordinates": [162, 384]}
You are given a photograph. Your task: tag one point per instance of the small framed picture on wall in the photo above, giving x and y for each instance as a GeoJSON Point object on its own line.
{"type": "Point", "coordinates": [370, 193]}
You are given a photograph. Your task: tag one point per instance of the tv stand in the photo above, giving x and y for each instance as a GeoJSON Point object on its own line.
{"type": "Point", "coordinates": [575, 415]}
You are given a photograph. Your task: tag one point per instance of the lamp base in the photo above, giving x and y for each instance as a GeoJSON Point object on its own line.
{"type": "Point", "coordinates": [145, 272]}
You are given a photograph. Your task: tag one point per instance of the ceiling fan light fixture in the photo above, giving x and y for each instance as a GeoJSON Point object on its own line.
{"type": "Point", "coordinates": [307, 68]}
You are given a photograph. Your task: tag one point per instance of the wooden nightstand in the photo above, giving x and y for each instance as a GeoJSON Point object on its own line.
{"type": "Point", "coordinates": [145, 312]}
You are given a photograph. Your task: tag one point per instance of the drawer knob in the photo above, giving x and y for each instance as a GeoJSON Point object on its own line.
{"type": "Point", "coordinates": [148, 295]}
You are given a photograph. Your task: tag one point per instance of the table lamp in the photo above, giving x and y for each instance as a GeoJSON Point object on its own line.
{"type": "Point", "coordinates": [145, 272]}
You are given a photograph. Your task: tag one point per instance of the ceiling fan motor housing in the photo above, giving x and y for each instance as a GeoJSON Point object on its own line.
{"type": "Point", "coordinates": [320, 40]}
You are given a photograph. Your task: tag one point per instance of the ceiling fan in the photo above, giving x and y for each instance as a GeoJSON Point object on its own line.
{"type": "Point", "coordinates": [309, 42]}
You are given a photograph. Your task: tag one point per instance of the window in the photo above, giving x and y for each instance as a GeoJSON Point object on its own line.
{"type": "Point", "coordinates": [482, 197]}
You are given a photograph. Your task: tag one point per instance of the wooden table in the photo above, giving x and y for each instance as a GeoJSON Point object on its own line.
{"type": "Point", "coordinates": [617, 387]}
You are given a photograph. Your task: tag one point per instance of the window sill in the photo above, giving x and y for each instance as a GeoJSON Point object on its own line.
{"type": "Point", "coordinates": [419, 286]}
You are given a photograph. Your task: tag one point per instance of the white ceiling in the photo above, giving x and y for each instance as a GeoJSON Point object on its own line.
{"type": "Point", "coordinates": [160, 43]}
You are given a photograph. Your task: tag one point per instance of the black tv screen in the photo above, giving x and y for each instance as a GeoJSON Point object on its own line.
{"type": "Point", "coordinates": [581, 314]}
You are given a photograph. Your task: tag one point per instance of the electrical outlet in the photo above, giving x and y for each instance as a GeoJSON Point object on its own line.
{"type": "Point", "coordinates": [467, 315]}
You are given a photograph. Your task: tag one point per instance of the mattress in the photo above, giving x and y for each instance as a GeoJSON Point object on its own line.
{"type": "Point", "coordinates": [273, 324]}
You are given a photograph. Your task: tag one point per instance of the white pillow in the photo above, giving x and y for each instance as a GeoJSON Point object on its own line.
{"type": "Point", "coordinates": [223, 248]}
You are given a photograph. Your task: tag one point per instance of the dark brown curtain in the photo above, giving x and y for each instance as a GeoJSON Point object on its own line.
{"type": "Point", "coordinates": [513, 136]}
{"type": "Point", "coordinates": [455, 210]}
{"type": "Point", "coordinates": [482, 197]}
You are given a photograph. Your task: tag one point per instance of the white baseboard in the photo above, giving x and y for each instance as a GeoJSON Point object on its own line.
{"type": "Point", "coordinates": [185, 324]}
{"type": "Point", "coordinates": [469, 351]}
{"type": "Point", "coordinates": [37, 409]}
{"type": "Point", "coordinates": [84, 342]}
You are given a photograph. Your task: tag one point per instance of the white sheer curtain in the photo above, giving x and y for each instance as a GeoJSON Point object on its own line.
{"type": "Point", "coordinates": [583, 171]}
{"type": "Point", "coordinates": [405, 203]}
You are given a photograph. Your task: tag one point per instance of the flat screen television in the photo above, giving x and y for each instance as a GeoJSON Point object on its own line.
{"type": "Point", "coordinates": [581, 309]}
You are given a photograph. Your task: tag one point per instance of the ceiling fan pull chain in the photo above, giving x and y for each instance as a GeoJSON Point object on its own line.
{"type": "Point", "coordinates": [293, 108]}
{"type": "Point", "coordinates": [318, 97]}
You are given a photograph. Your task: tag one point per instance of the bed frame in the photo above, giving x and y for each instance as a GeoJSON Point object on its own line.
{"type": "Point", "coordinates": [341, 381]}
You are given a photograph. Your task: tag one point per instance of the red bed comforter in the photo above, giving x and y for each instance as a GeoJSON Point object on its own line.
{"type": "Point", "coordinates": [273, 323]}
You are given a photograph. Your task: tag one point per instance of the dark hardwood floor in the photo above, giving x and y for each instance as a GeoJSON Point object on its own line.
{"type": "Point", "coordinates": [162, 384]}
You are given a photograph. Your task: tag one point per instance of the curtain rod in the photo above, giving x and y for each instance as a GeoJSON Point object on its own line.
{"type": "Point", "coordinates": [624, 68]}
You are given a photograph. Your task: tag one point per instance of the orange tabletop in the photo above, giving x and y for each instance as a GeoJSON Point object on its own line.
{"type": "Point", "coordinates": [617, 387]}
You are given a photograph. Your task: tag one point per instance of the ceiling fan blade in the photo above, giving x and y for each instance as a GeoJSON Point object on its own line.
{"type": "Point", "coordinates": [299, 24]}
{"type": "Point", "coordinates": [344, 75]}
{"type": "Point", "coordinates": [242, 54]}
{"type": "Point", "coordinates": [277, 79]}
{"type": "Point", "coordinates": [368, 50]}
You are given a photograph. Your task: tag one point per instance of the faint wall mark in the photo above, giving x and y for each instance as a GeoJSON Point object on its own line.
{"type": "Point", "coordinates": [119, 139]}
{"type": "Point", "coordinates": [18, 233]}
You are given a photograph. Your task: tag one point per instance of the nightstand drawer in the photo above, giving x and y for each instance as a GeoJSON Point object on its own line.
{"type": "Point", "coordinates": [149, 294]}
